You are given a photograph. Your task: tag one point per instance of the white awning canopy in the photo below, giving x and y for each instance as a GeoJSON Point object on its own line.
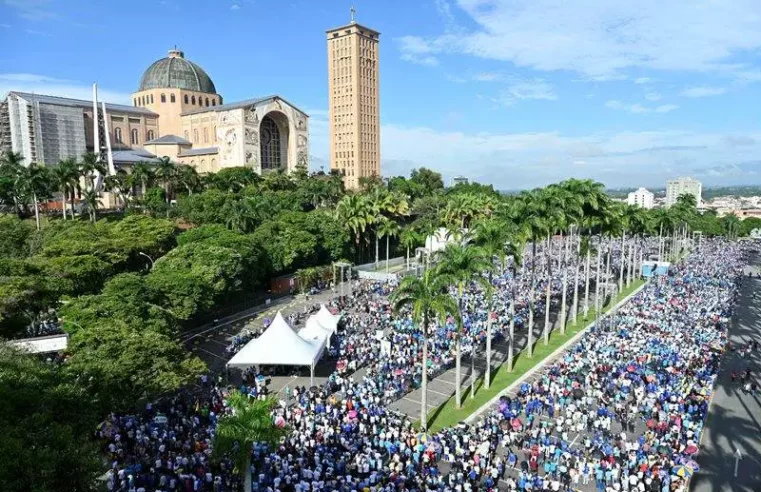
{"type": "Point", "coordinates": [327, 320]}
{"type": "Point", "coordinates": [279, 345]}
{"type": "Point", "coordinates": [42, 345]}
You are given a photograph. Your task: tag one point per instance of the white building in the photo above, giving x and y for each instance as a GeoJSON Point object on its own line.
{"type": "Point", "coordinates": [680, 186]}
{"type": "Point", "coordinates": [459, 180]}
{"type": "Point", "coordinates": [641, 198]}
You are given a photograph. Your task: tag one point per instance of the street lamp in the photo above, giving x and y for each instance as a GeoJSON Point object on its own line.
{"type": "Point", "coordinates": [149, 258]}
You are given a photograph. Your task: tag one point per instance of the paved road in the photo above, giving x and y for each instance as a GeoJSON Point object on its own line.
{"type": "Point", "coordinates": [734, 419]}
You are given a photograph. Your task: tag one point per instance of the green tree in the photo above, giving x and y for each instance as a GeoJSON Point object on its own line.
{"type": "Point", "coordinates": [46, 421]}
{"type": "Point", "coordinates": [249, 422]}
{"type": "Point", "coordinates": [121, 365]}
{"type": "Point", "coordinates": [428, 300]}
{"type": "Point", "coordinates": [142, 175]}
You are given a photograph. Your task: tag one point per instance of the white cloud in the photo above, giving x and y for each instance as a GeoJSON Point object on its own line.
{"type": "Point", "coordinates": [5, 26]}
{"type": "Point", "coordinates": [415, 50]}
{"type": "Point", "coordinates": [536, 89]}
{"type": "Point", "coordinates": [600, 38]}
{"type": "Point", "coordinates": [638, 108]}
{"type": "Point", "coordinates": [644, 80]}
{"type": "Point", "coordinates": [234, 6]}
{"type": "Point", "coordinates": [32, 10]}
{"type": "Point", "coordinates": [43, 84]}
{"type": "Point", "coordinates": [653, 96]}
{"type": "Point", "coordinates": [703, 91]}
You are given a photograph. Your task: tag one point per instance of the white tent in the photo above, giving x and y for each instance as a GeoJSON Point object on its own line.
{"type": "Point", "coordinates": [279, 345]}
{"type": "Point", "coordinates": [315, 331]}
{"type": "Point", "coordinates": [327, 319]}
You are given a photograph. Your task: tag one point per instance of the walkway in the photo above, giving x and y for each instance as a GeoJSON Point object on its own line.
{"type": "Point", "coordinates": [734, 419]}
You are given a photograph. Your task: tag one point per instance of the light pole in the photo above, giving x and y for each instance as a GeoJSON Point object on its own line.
{"type": "Point", "coordinates": [149, 258]}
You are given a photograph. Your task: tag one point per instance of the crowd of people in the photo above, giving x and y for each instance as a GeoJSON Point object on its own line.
{"type": "Point", "coordinates": [622, 410]}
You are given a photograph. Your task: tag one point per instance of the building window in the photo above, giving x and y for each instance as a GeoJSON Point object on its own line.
{"type": "Point", "coordinates": [118, 135]}
{"type": "Point", "coordinates": [151, 135]}
{"type": "Point", "coordinates": [215, 131]}
{"type": "Point", "coordinates": [151, 98]}
{"type": "Point", "coordinates": [135, 101]}
{"type": "Point", "coordinates": [195, 136]}
{"type": "Point", "coordinates": [193, 100]}
{"type": "Point", "coordinates": [207, 102]}
{"type": "Point", "coordinates": [133, 137]}
{"type": "Point", "coordinates": [187, 137]}
{"type": "Point", "coordinates": [213, 102]}
{"type": "Point", "coordinates": [186, 99]}
{"type": "Point", "coordinates": [163, 98]}
{"type": "Point", "coordinates": [205, 135]}
{"type": "Point", "coordinates": [171, 98]}
{"type": "Point", "coordinates": [270, 143]}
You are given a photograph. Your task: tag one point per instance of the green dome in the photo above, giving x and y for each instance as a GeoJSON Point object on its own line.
{"type": "Point", "coordinates": [175, 72]}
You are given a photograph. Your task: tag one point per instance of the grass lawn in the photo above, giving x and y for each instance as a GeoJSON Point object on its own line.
{"type": "Point", "coordinates": [447, 415]}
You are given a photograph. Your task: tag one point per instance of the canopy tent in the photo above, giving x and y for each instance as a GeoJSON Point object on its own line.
{"type": "Point", "coordinates": [327, 319]}
{"type": "Point", "coordinates": [279, 345]}
{"type": "Point", "coordinates": [315, 331]}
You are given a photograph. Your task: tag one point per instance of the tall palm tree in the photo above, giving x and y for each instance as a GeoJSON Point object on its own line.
{"type": "Point", "coordinates": [249, 421]}
{"type": "Point", "coordinates": [166, 173]}
{"type": "Point", "coordinates": [409, 238]}
{"type": "Point", "coordinates": [188, 178]}
{"type": "Point", "coordinates": [91, 202]}
{"type": "Point", "coordinates": [11, 168]}
{"type": "Point", "coordinates": [356, 214]}
{"type": "Point", "coordinates": [118, 184]}
{"type": "Point", "coordinates": [37, 183]}
{"type": "Point", "coordinates": [387, 229]}
{"type": "Point", "coordinates": [65, 179]}
{"type": "Point", "coordinates": [535, 223]}
{"type": "Point", "coordinates": [460, 265]}
{"type": "Point", "coordinates": [492, 236]}
{"type": "Point", "coordinates": [141, 174]}
{"type": "Point", "coordinates": [514, 249]}
{"type": "Point", "coordinates": [90, 168]}
{"type": "Point", "coordinates": [428, 300]}
{"type": "Point", "coordinates": [553, 208]}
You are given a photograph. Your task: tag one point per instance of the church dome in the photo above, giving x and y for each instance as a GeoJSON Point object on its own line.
{"type": "Point", "coordinates": [175, 72]}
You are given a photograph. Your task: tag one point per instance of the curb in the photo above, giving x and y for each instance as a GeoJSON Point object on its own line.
{"type": "Point", "coordinates": [551, 357]}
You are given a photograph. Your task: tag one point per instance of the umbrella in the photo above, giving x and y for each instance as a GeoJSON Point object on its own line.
{"type": "Point", "coordinates": [632, 368]}
{"type": "Point", "coordinates": [650, 379]}
{"type": "Point", "coordinates": [650, 423]}
{"type": "Point", "coordinates": [691, 449]}
{"type": "Point", "coordinates": [352, 414]}
{"type": "Point", "coordinates": [664, 449]}
{"type": "Point", "coordinates": [692, 464]}
{"type": "Point", "coordinates": [683, 471]}
{"type": "Point", "coordinates": [516, 423]}
{"type": "Point", "coordinates": [578, 393]}
{"type": "Point", "coordinates": [280, 421]}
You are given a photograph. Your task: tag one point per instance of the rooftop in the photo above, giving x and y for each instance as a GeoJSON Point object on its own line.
{"type": "Point", "coordinates": [203, 151]}
{"type": "Point", "coordinates": [80, 103]}
{"type": "Point", "coordinates": [168, 140]}
{"type": "Point", "coordinates": [241, 104]}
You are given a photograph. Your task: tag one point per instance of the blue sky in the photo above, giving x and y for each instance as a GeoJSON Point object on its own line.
{"type": "Point", "coordinates": [518, 93]}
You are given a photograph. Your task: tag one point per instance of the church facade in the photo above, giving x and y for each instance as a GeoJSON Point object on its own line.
{"type": "Point", "coordinates": [176, 112]}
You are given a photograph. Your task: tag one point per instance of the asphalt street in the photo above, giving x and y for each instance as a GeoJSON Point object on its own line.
{"type": "Point", "coordinates": [734, 419]}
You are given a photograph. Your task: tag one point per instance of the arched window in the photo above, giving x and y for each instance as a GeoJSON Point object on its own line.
{"type": "Point", "coordinates": [187, 136]}
{"type": "Point", "coordinates": [151, 98]}
{"type": "Point", "coordinates": [133, 137]}
{"type": "Point", "coordinates": [195, 136]}
{"type": "Point", "coordinates": [213, 102]}
{"type": "Point", "coordinates": [269, 144]}
{"type": "Point", "coordinates": [118, 135]}
{"type": "Point", "coordinates": [186, 99]}
{"type": "Point", "coordinates": [171, 97]}
{"type": "Point", "coordinates": [193, 100]}
{"type": "Point", "coordinates": [151, 135]}
{"type": "Point", "coordinates": [203, 165]}
{"type": "Point", "coordinates": [134, 101]}
{"type": "Point", "coordinates": [213, 165]}
{"type": "Point", "coordinates": [163, 98]}
{"type": "Point", "coordinates": [207, 102]}
{"type": "Point", "coordinates": [205, 135]}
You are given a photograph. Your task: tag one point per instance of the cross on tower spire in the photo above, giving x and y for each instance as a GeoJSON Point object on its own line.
{"type": "Point", "coordinates": [353, 13]}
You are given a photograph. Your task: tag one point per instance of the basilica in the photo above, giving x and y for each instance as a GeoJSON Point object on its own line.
{"type": "Point", "coordinates": [176, 112]}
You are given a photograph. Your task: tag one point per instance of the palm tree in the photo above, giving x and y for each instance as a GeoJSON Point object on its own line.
{"type": "Point", "coordinates": [37, 182]}
{"type": "Point", "coordinates": [356, 214]}
{"type": "Point", "coordinates": [187, 177]}
{"type": "Point", "coordinates": [119, 185]}
{"type": "Point", "coordinates": [513, 249]}
{"type": "Point", "coordinates": [552, 198]}
{"type": "Point", "coordinates": [460, 265]}
{"type": "Point", "coordinates": [409, 238]}
{"type": "Point", "coordinates": [90, 167]}
{"type": "Point", "coordinates": [535, 222]}
{"type": "Point", "coordinates": [165, 172]}
{"type": "Point", "coordinates": [142, 174]}
{"type": "Point", "coordinates": [249, 421]}
{"type": "Point", "coordinates": [387, 229]}
{"type": "Point", "coordinates": [10, 169]}
{"type": "Point", "coordinates": [382, 202]}
{"type": "Point", "coordinates": [428, 300]}
{"type": "Point", "coordinates": [91, 202]}
{"type": "Point", "coordinates": [491, 236]}
{"type": "Point", "coordinates": [64, 178]}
